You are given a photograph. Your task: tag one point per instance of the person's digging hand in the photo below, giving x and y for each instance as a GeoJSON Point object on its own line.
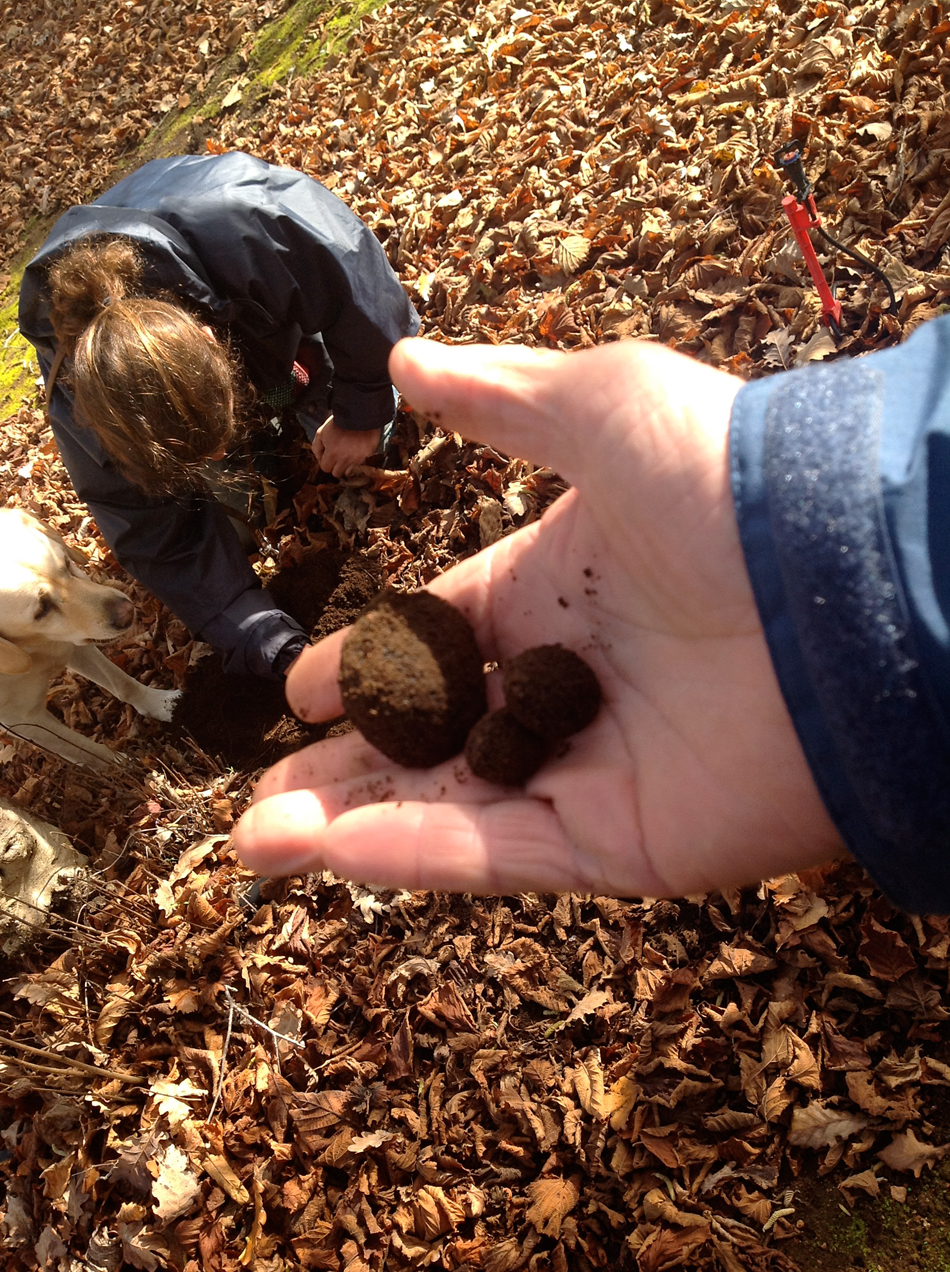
{"type": "Point", "coordinates": [691, 776]}
{"type": "Point", "coordinates": [338, 449]}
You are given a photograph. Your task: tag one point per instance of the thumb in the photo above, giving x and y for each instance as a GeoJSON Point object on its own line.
{"type": "Point", "coordinates": [501, 395]}
{"type": "Point", "coordinates": [575, 412]}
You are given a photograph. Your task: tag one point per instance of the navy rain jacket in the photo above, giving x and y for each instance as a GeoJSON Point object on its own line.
{"type": "Point", "coordinates": [841, 478]}
{"type": "Point", "coordinates": [269, 257]}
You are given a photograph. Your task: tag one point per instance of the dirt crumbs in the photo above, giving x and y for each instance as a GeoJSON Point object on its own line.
{"type": "Point", "coordinates": [501, 750]}
{"type": "Point", "coordinates": [412, 678]}
{"type": "Point", "coordinates": [551, 691]}
{"type": "Point", "coordinates": [243, 721]}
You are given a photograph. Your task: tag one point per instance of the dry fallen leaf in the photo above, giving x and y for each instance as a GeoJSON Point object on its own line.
{"type": "Point", "coordinates": [817, 1125]}
{"type": "Point", "coordinates": [906, 1152]}
{"type": "Point", "coordinates": [552, 1200]}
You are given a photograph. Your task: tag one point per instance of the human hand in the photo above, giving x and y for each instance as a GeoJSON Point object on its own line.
{"type": "Point", "coordinates": [337, 449]}
{"type": "Point", "coordinates": [691, 777]}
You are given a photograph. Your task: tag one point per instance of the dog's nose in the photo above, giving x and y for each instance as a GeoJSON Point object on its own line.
{"type": "Point", "coordinates": [122, 614]}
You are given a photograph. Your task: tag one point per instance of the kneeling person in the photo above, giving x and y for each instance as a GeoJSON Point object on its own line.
{"type": "Point", "coordinates": [152, 309]}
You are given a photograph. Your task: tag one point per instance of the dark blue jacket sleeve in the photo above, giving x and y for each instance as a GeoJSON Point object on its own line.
{"type": "Point", "coordinates": [183, 550]}
{"type": "Point", "coordinates": [841, 480]}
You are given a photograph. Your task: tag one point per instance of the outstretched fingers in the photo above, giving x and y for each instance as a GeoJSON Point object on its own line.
{"type": "Point", "coordinates": [509, 846]}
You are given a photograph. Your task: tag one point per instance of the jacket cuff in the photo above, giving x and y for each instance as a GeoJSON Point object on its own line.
{"type": "Point", "coordinates": [806, 476]}
{"type": "Point", "coordinates": [361, 409]}
{"type": "Point", "coordinates": [251, 634]}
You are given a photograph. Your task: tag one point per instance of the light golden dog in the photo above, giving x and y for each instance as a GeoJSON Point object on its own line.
{"type": "Point", "coordinates": [51, 615]}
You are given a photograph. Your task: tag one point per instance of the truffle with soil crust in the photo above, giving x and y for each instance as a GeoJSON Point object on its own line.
{"type": "Point", "coordinates": [551, 691]}
{"type": "Point", "coordinates": [501, 750]}
{"type": "Point", "coordinates": [412, 678]}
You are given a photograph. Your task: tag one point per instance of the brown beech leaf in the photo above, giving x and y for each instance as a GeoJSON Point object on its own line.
{"type": "Point", "coordinates": [731, 1120]}
{"type": "Point", "coordinates": [865, 1181]}
{"type": "Point", "coordinates": [885, 951]}
{"type": "Point", "coordinates": [435, 1212]}
{"type": "Point", "coordinates": [906, 1152]}
{"type": "Point", "coordinates": [670, 1248]}
{"type": "Point", "coordinates": [446, 1007]}
{"type": "Point", "coordinates": [572, 252]}
{"type": "Point", "coordinates": [552, 1199]}
{"type": "Point", "coordinates": [740, 960]}
{"type": "Point", "coordinates": [840, 1052]}
{"type": "Point", "coordinates": [657, 1206]}
{"type": "Point", "coordinates": [818, 1125]}
{"type": "Point", "coordinates": [589, 1084]}
{"type": "Point", "coordinates": [868, 1096]}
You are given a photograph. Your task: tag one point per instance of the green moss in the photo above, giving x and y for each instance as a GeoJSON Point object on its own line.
{"type": "Point", "coordinates": [850, 1236]}
{"type": "Point", "coordinates": [296, 43]}
{"type": "Point", "coordinates": [299, 42]}
{"type": "Point", "coordinates": [880, 1234]}
{"type": "Point", "coordinates": [18, 365]}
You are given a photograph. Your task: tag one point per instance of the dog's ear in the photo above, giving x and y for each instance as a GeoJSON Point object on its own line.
{"type": "Point", "coordinates": [73, 553]}
{"type": "Point", "coordinates": [14, 661]}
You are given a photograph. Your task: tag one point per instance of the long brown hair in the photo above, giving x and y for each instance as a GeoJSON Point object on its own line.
{"type": "Point", "coordinates": [160, 395]}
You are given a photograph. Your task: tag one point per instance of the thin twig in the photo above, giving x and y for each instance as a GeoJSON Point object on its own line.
{"type": "Point", "coordinates": [338, 1055]}
{"type": "Point", "coordinates": [224, 1058]}
{"type": "Point", "coordinates": [294, 1042]}
{"type": "Point", "coordinates": [94, 1070]}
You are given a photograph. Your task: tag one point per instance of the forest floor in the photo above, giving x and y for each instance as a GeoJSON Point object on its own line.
{"type": "Point", "coordinates": [312, 1074]}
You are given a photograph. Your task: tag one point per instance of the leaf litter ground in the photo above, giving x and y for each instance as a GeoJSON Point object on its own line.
{"type": "Point", "coordinates": [201, 1071]}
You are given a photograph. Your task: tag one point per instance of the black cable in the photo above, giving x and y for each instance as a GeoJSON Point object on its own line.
{"type": "Point", "coordinates": [875, 269]}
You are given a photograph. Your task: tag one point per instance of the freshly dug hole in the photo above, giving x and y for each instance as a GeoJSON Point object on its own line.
{"type": "Point", "coordinates": [412, 678]}
{"type": "Point", "coordinates": [244, 721]}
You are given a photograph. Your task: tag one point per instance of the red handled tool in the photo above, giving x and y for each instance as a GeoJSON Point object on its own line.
{"type": "Point", "coordinates": [803, 217]}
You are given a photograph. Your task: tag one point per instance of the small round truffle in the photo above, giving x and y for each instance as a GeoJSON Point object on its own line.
{"type": "Point", "coordinates": [501, 750]}
{"type": "Point", "coordinates": [551, 691]}
{"type": "Point", "coordinates": [412, 677]}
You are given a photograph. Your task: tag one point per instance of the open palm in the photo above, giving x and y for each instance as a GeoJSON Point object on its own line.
{"type": "Point", "coordinates": [692, 775]}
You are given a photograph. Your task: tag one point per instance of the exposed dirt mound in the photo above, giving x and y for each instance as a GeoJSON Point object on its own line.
{"type": "Point", "coordinates": [244, 720]}
{"type": "Point", "coordinates": [241, 720]}
{"type": "Point", "coordinates": [326, 590]}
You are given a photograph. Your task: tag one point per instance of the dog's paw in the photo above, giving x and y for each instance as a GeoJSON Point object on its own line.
{"type": "Point", "coordinates": [161, 703]}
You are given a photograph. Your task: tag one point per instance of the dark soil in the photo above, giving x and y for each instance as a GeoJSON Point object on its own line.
{"type": "Point", "coordinates": [243, 721]}
{"type": "Point", "coordinates": [501, 750]}
{"type": "Point", "coordinates": [413, 678]}
{"type": "Point", "coordinates": [325, 590]}
{"type": "Point", "coordinates": [551, 691]}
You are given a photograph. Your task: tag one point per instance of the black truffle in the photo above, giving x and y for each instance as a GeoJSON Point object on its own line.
{"type": "Point", "coordinates": [412, 677]}
{"type": "Point", "coordinates": [501, 750]}
{"type": "Point", "coordinates": [551, 691]}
